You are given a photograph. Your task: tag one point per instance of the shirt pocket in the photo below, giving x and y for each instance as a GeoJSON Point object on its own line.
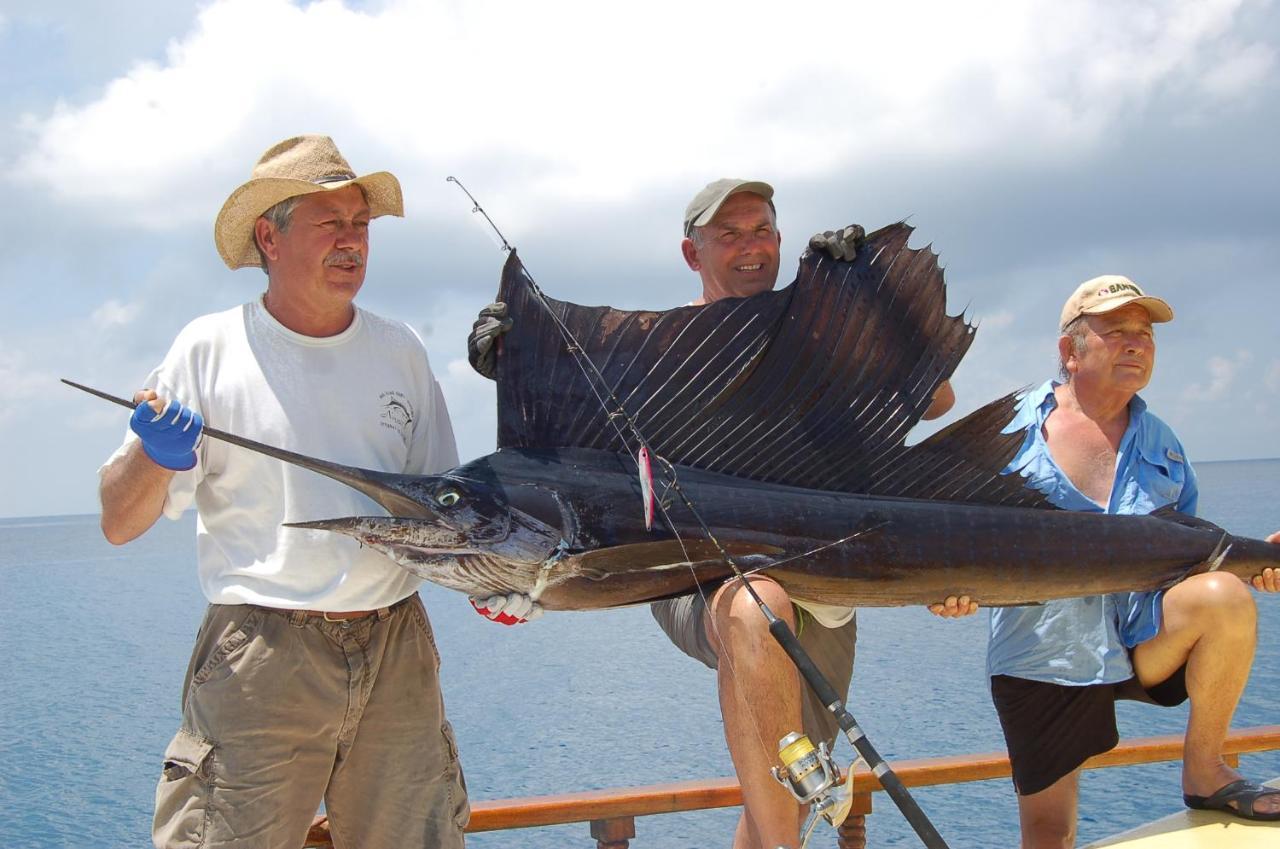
{"type": "Point", "coordinates": [1163, 475]}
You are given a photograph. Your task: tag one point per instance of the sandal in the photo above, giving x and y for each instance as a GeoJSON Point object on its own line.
{"type": "Point", "coordinates": [1243, 793]}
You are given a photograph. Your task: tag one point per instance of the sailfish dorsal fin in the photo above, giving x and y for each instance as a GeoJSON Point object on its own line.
{"type": "Point", "coordinates": [813, 385]}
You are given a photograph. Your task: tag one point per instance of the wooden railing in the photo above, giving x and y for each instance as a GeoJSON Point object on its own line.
{"type": "Point", "coordinates": [611, 813]}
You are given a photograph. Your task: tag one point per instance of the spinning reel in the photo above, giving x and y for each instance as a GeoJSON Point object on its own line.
{"type": "Point", "coordinates": [812, 777]}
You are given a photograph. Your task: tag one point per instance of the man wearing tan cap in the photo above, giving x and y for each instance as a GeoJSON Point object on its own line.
{"type": "Point", "coordinates": [1057, 669]}
{"type": "Point", "coordinates": [731, 240]}
{"type": "Point", "coordinates": [314, 676]}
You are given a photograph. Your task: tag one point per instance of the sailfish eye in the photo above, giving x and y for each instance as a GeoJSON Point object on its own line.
{"type": "Point", "coordinates": [448, 498]}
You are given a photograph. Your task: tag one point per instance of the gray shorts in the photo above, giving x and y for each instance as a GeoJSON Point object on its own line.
{"type": "Point", "coordinates": [281, 710]}
{"type": "Point", "coordinates": [832, 650]}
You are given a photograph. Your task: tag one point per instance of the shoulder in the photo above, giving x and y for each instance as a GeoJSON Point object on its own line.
{"type": "Point", "coordinates": [390, 331]}
{"type": "Point", "coordinates": [207, 330]}
{"type": "Point", "coordinates": [389, 339]}
{"type": "Point", "coordinates": [1032, 407]}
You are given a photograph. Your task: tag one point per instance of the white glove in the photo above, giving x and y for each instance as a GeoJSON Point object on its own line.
{"type": "Point", "coordinates": [510, 609]}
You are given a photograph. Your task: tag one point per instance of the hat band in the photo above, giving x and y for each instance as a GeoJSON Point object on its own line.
{"type": "Point", "coordinates": [334, 178]}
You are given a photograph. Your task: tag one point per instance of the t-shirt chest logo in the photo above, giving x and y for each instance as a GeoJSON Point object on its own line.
{"type": "Point", "coordinates": [396, 413]}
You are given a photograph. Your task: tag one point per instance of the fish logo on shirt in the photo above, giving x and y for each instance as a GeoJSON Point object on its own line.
{"type": "Point", "coordinates": [396, 413]}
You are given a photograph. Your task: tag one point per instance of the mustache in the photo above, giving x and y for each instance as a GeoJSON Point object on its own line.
{"type": "Point", "coordinates": [344, 258]}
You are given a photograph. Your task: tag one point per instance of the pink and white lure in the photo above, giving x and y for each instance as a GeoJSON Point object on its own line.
{"type": "Point", "coordinates": [646, 486]}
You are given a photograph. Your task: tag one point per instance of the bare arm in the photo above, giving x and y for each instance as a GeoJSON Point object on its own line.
{"type": "Point", "coordinates": [944, 398]}
{"type": "Point", "coordinates": [133, 489]}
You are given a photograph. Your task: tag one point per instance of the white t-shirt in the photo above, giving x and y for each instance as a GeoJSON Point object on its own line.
{"type": "Point", "coordinates": [365, 398]}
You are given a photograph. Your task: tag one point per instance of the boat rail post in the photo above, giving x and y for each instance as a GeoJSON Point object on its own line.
{"type": "Point", "coordinates": [852, 833]}
{"type": "Point", "coordinates": [613, 833]}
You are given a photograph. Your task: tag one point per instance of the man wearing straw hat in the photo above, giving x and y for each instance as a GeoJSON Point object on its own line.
{"type": "Point", "coordinates": [1057, 669]}
{"type": "Point", "coordinates": [315, 675]}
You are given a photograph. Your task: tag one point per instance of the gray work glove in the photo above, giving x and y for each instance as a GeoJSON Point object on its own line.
{"type": "Point", "coordinates": [481, 350]}
{"type": "Point", "coordinates": [842, 244]}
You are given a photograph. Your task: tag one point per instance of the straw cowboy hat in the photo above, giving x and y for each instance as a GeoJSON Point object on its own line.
{"type": "Point", "coordinates": [297, 166]}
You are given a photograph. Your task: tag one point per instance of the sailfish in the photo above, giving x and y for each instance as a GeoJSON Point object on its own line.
{"type": "Point", "coordinates": [783, 417]}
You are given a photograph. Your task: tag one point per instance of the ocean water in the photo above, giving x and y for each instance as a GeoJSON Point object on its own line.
{"type": "Point", "coordinates": [94, 641]}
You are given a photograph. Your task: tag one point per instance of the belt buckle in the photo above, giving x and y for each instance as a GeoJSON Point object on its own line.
{"type": "Point", "coordinates": [328, 618]}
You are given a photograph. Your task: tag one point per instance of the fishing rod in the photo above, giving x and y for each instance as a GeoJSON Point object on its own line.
{"type": "Point", "coordinates": [284, 454]}
{"type": "Point", "coordinates": [809, 774]}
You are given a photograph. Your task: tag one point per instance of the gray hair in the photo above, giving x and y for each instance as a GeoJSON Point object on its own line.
{"type": "Point", "coordinates": [1075, 329]}
{"type": "Point", "coordinates": [280, 216]}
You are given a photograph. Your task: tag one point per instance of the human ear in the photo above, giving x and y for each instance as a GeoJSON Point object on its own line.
{"type": "Point", "coordinates": [690, 252]}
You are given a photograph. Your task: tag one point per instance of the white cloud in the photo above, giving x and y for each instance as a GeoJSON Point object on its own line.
{"type": "Point", "coordinates": [584, 113]}
{"type": "Point", "coordinates": [21, 384]}
{"type": "Point", "coordinates": [1241, 72]}
{"type": "Point", "coordinates": [997, 321]}
{"type": "Point", "coordinates": [1271, 379]}
{"type": "Point", "coordinates": [114, 314]}
{"type": "Point", "coordinates": [1222, 376]}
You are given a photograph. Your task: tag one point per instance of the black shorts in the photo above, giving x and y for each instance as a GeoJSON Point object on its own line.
{"type": "Point", "coordinates": [1051, 729]}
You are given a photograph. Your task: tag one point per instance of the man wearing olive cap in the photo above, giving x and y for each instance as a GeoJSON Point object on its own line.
{"type": "Point", "coordinates": [1057, 669]}
{"type": "Point", "coordinates": [731, 240]}
{"type": "Point", "coordinates": [314, 676]}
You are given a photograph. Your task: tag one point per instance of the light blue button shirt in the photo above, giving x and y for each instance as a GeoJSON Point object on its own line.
{"type": "Point", "coordinates": [1077, 641]}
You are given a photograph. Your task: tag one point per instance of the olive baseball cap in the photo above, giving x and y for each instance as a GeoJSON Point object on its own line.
{"type": "Point", "coordinates": [706, 203]}
{"type": "Point", "coordinates": [1108, 293]}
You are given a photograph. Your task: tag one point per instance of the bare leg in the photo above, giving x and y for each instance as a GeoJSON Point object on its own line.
{"type": "Point", "coordinates": [1210, 623]}
{"type": "Point", "coordinates": [760, 701]}
{"type": "Point", "coordinates": [1048, 818]}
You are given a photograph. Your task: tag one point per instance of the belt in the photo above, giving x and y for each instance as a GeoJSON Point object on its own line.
{"type": "Point", "coordinates": [344, 615]}
{"type": "Point", "coordinates": [338, 615]}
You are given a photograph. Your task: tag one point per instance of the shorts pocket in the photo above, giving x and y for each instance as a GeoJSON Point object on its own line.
{"type": "Point", "coordinates": [460, 807]}
{"type": "Point", "coordinates": [182, 796]}
{"type": "Point", "coordinates": [187, 754]}
{"type": "Point", "coordinates": [228, 645]}
{"type": "Point", "coordinates": [419, 614]}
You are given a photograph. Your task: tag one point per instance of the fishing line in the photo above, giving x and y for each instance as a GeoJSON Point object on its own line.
{"type": "Point", "coordinates": [817, 550]}
{"type": "Point", "coordinates": [597, 382]}
{"type": "Point", "coordinates": [787, 639]}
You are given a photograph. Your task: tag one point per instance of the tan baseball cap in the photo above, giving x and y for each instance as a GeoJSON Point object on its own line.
{"type": "Point", "coordinates": [1111, 292]}
{"type": "Point", "coordinates": [297, 166]}
{"type": "Point", "coordinates": [706, 203]}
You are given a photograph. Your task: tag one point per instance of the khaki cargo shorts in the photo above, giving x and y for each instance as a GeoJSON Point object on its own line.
{"type": "Point", "coordinates": [283, 709]}
{"type": "Point", "coordinates": [832, 649]}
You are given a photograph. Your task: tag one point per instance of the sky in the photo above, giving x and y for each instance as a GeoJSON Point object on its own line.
{"type": "Point", "coordinates": [1033, 144]}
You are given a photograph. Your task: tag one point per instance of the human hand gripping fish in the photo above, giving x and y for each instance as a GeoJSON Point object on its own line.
{"type": "Point", "coordinates": [1269, 580]}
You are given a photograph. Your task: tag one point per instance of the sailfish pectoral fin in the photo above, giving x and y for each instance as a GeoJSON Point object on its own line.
{"type": "Point", "coordinates": [665, 555]}
{"type": "Point", "coordinates": [639, 573]}
{"type": "Point", "coordinates": [870, 524]}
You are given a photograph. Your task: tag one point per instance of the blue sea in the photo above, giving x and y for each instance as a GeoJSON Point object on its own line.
{"type": "Point", "coordinates": [94, 642]}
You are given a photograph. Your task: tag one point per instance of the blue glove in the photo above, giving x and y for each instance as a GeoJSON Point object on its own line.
{"type": "Point", "coordinates": [169, 438]}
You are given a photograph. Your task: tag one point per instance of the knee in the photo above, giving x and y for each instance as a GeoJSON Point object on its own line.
{"type": "Point", "coordinates": [1215, 598]}
{"type": "Point", "coordinates": [736, 610]}
{"type": "Point", "coordinates": [1048, 833]}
